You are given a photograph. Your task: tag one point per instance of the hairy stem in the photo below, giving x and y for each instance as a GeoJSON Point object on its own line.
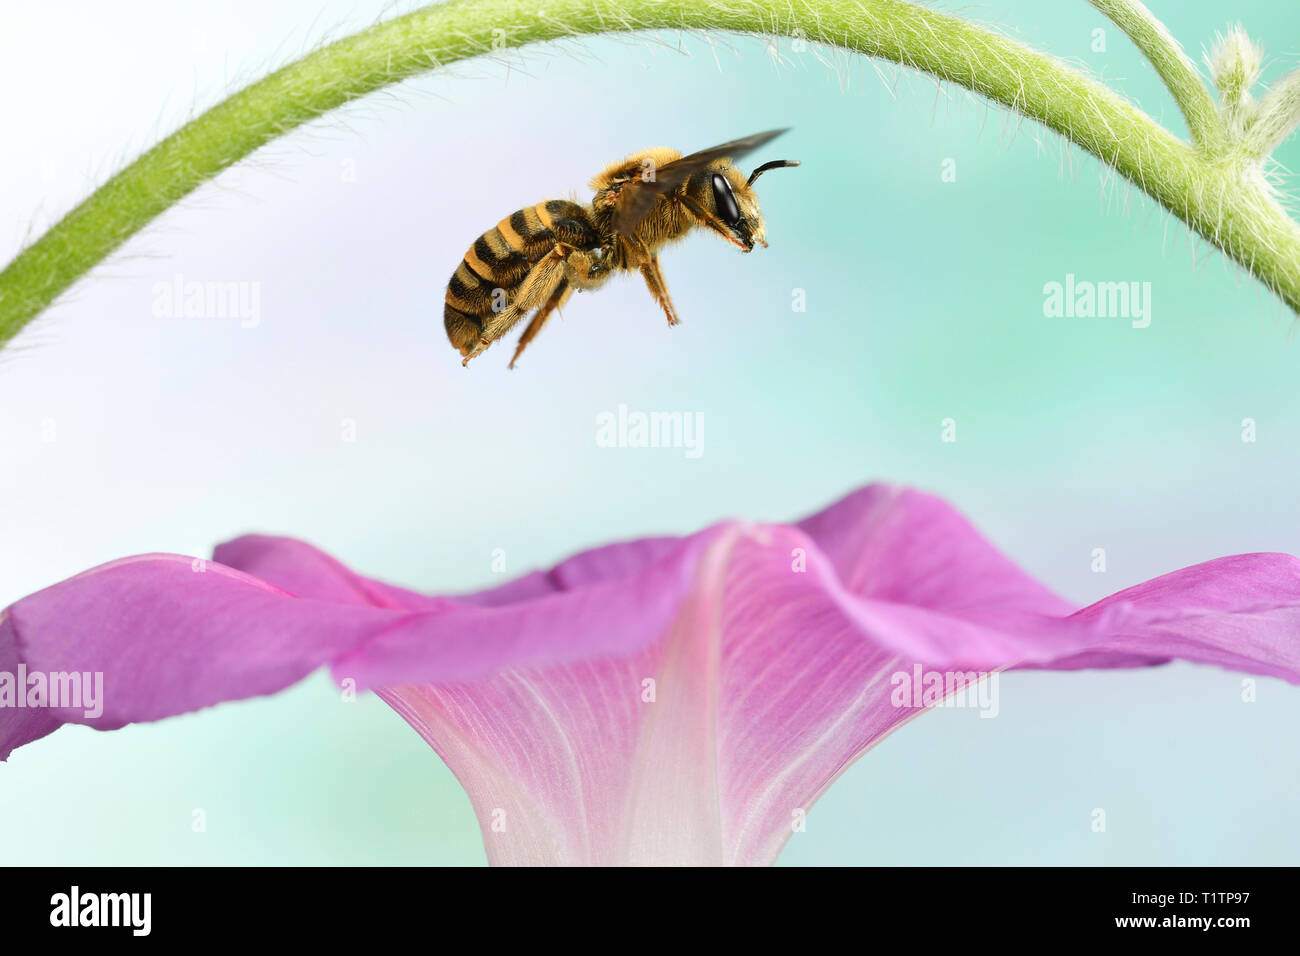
{"type": "Point", "coordinates": [1221, 198]}
{"type": "Point", "coordinates": [1279, 114]}
{"type": "Point", "coordinates": [1174, 67]}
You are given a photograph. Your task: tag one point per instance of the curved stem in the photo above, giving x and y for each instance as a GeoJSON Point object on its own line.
{"type": "Point", "coordinates": [1174, 66]}
{"type": "Point", "coordinates": [1279, 114]}
{"type": "Point", "coordinates": [1223, 202]}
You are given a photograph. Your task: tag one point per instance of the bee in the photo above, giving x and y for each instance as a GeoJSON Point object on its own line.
{"type": "Point", "coordinates": [536, 258]}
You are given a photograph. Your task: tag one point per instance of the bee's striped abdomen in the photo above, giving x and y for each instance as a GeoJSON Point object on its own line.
{"type": "Point", "coordinates": [501, 258]}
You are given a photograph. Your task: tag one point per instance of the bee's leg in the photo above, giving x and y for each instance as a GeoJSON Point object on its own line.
{"type": "Point", "coordinates": [538, 286]}
{"type": "Point", "coordinates": [556, 301]}
{"type": "Point", "coordinates": [477, 350]}
{"type": "Point", "coordinates": [654, 280]}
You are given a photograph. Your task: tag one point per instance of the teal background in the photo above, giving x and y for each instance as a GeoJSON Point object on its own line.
{"type": "Point", "coordinates": [924, 302]}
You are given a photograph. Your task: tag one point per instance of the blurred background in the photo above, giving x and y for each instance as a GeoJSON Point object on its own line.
{"type": "Point", "coordinates": [339, 413]}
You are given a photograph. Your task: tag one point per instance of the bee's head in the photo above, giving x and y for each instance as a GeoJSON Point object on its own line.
{"type": "Point", "coordinates": [724, 192]}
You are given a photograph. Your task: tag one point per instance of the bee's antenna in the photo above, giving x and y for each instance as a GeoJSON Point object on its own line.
{"type": "Point", "coordinates": [774, 164]}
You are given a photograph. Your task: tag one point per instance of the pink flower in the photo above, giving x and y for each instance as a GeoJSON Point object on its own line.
{"type": "Point", "coordinates": [668, 700]}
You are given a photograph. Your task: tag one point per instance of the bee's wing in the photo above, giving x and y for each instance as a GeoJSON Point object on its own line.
{"type": "Point", "coordinates": [638, 197]}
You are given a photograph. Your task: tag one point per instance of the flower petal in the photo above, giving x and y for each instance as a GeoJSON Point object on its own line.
{"type": "Point", "coordinates": [307, 572]}
{"type": "Point", "coordinates": [671, 700]}
{"type": "Point", "coordinates": [172, 634]}
{"type": "Point", "coordinates": [601, 761]}
{"type": "Point", "coordinates": [18, 726]}
{"type": "Point", "coordinates": [610, 615]}
{"type": "Point", "coordinates": [904, 546]}
{"type": "Point", "coordinates": [769, 683]}
{"type": "Point", "coordinates": [1241, 612]}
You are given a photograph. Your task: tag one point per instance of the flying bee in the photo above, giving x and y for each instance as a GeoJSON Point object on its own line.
{"type": "Point", "coordinates": [536, 258]}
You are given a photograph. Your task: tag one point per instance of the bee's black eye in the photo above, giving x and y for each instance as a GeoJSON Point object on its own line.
{"type": "Point", "coordinates": [724, 200]}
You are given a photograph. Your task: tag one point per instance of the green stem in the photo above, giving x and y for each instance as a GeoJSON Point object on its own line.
{"type": "Point", "coordinates": [1174, 67]}
{"type": "Point", "coordinates": [1219, 197]}
{"type": "Point", "coordinates": [1279, 113]}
